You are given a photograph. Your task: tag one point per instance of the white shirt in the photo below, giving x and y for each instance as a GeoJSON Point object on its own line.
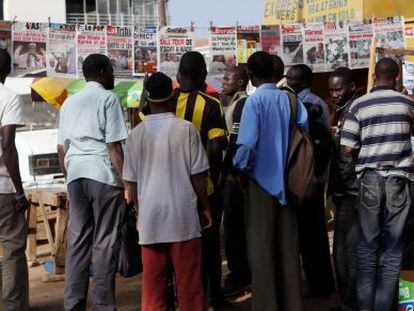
{"type": "Point", "coordinates": [160, 156]}
{"type": "Point", "coordinates": [11, 113]}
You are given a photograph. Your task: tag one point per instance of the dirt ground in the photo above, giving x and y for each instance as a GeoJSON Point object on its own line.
{"type": "Point", "coordinates": [49, 296]}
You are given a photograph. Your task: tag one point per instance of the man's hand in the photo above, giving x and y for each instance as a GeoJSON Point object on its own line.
{"type": "Point", "coordinates": [21, 203]}
{"type": "Point", "coordinates": [243, 182]}
{"type": "Point", "coordinates": [208, 219]}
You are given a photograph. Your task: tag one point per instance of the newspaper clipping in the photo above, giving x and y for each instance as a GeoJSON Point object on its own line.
{"type": "Point", "coordinates": [223, 44]}
{"type": "Point", "coordinates": [90, 39]}
{"type": "Point", "coordinates": [408, 77]}
{"type": "Point", "coordinates": [271, 39]}
{"type": "Point", "coordinates": [5, 36]}
{"type": "Point", "coordinates": [61, 50]}
{"type": "Point", "coordinates": [29, 49]}
{"type": "Point", "coordinates": [174, 42]}
{"type": "Point", "coordinates": [120, 50]}
{"type": "Point", "coordinates": [360, 38]}
{"type": "Point", "coordinates": [336, 45]}
{"type": "Point", "coordinates": [145, 50]}
{"type": "Point", "coordinates": [292, 44]}
{"type": "Point", "coordinates": [390, 32]}
{"type": "Point", "coordinates": [314, 48]}
{"type": "Point", "coordinates": [248, 42]}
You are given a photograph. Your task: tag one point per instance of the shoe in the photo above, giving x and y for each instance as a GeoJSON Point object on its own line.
{"type": "Point", "coordinates": [234, 288]}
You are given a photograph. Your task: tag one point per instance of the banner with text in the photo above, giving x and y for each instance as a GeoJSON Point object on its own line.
{"type": "Point", "coordinates": [248, 42]}
{"type": "Point", "coordinates": [360, 38]}
{"type": "Point", "coordinates": [145, 50]}
{"type": "Point", "coordinates": [292, 38]}
{"type": "Point", "coordinates": [271, 39]}
{"type": "Point", "coordinates": [120, 50]}
{"type": "Point", "coordinates": [313, 46]}
{"type": "Point", "coordinates": [61, 50]}
{"type": "Point", "coordinates": [336, 45]}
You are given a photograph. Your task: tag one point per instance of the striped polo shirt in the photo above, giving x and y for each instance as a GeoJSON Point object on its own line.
{"type": "Point", "coordinates": [379, 125]}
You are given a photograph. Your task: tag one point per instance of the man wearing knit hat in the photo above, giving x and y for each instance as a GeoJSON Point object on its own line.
{"type": "Point", "coordinates": [165, 171]}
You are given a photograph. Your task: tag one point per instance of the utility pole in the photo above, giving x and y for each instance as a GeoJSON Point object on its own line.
{"type": "Point", "coordinates": [162, 13]}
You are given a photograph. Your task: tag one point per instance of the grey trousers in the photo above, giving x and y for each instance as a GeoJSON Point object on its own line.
{"type": "Point", "coordinates": [13, 236]}
{"type": "Point", "coordinates": [95, 217]}
{"type": "Point", "coordinates": [272, 242]}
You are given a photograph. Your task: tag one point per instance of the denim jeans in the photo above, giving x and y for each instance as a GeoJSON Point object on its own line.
{"type": "Point", "coordinates": [384, 206]}
{"type": "Point", "coordinates": [345, 248]}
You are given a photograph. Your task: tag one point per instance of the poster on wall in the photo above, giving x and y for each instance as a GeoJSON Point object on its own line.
{"type": "Point", "coordinates": [223, 45]}
{"type": "Point", "coordinates": [120, 50]}
{"type": "Point", "coordinates": [336, 45]}
{"type": "Point", "coordinates": [145, 50]}
{"type": "Point", "coordinates": [313, 46]}
{"type": "Point", "coordinates": [390, 32]}
{"type": "Point", "coordinates": [90, 39]}
{"type": "Point", "coordinates": [61, 50]}
{"type": "Point", "coordinates": [5, 36]}
{"type": "Point", "coordinates": [271, 39]}
{"type": "Point", "coordinates": [248, 42]}
{"type": "Point", "coordinates": [174, 42]}
{"type": "Point", "coordinates": [29, 49]}
{"type": "Point", "coordinates": [292, 44]}
{"type": "Point", "coordinates": [360, 38]}
{"type": "Point", "coordinates": [408, 77]}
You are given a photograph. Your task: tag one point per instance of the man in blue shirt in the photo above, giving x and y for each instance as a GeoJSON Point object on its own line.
{"type": "Point", "coordinates": [313, 235]}
{"type": "Point", "coordinates": [271, 230]}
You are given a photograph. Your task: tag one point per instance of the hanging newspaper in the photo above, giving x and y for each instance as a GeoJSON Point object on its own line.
{"type": "Point", "coordinates": [390, 32]}
{"type": "Point", "coordinates": [145, 50]}
{"type": "Point", "coordinates": [120, 50]}
{"type": "Point", "coordinates": [313, 46]}
{"type": "Point", "coordinates": [292, 44]}
{"type": "Point", "coordinates": [5, 36]}
{"type": "Point", "coordinates": [271, 39]}
{"type": "Point", "coordinates": [61, 50]}
{"type": "Point", "coordinates": [408, 77]}
{"type": "Point", "coordinates": [29, 49]}
{"type": "Point", "coordinates": [223, 45]}
{"type": "Point", "coordinates": [248, 42]}
{"type": "Point", "coordinates": [174, 42]}
{"type": "Point", "coordinates": [336, 45]}
{"type": "Point", "coordinates": [360, 38]}
{"type": "Point", "coordinates": [90, 39]}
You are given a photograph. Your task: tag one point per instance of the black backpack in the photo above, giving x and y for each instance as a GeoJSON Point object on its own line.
{"type": "Point", "coordinates": [321, 136]}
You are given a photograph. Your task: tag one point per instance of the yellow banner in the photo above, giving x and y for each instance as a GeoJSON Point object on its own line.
{"type": "Point", "coordinates": [282, 11]}
{"type": "Point", "coordinates": [332, 10]}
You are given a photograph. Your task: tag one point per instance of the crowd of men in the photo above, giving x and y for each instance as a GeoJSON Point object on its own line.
{"type": "Point", "coordinates": [191, 167]}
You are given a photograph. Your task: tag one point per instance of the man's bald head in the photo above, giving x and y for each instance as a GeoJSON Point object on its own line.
{"type": "Point", "coordinates": [235, 80]}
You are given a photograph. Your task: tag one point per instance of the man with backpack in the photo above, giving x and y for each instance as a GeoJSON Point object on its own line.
{"type": "Point", "coordinates": [313, 236]}
{"type": "Point", "coordinates": [261, 159]}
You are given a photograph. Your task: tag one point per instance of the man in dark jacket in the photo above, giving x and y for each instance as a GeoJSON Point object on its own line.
{"type": "Point", "coordinates": [343, 188]}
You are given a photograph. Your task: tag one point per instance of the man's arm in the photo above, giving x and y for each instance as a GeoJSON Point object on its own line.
{"type": "Point", "coordinates": [116, 154]}
{"type": "Point", "coordinates": [11, 161]}
{"type": "Point", "coordinates": [199, 182]}
{"type": "Point", "coordinates": [216, 147]}
{"type": "Point", "coordinates": [61, 157]}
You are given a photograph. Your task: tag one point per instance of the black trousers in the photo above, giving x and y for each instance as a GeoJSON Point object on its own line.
{"type": "Point", "coordinates": [314, 244]}
{"type": "Point", "coordinates": [235, 233]}
{"type": "Point", "coordinates": [211, 253]}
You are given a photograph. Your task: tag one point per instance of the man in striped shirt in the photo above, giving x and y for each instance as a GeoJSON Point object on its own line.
{"type": "Point", "coordinates": [378, 129]}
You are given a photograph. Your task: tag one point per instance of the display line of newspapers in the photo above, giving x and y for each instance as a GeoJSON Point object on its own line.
{"type": "Point", "coordinates": [59, 49]}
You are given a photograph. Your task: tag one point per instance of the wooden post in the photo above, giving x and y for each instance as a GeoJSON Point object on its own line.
{"type": "Point", "coordinates": [162, 14]}
{"type": "Point", "coordinates": [372, 62]}
{"type": "Point", "coordinates": [60, 238]}
{"type": "Point", "coordinates": [31, 238]}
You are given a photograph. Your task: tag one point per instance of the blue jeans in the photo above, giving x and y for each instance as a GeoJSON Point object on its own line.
{"type": "Point", "coordinates": [384, 206]}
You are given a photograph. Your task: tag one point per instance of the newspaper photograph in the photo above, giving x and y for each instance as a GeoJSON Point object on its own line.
{"type": "Point", "coordinates": [313, 46]}
{"type": "Point", "coordinates": [408, 77]}
{"type": "Point", "coordinates": [90, 39]}
{"type": "Point", "coordinates": [29, 49]}
{"type": "Point", "coordinates": [390, 32]}
{"type": "Point", "coordinates": [145, 50]}
{"type": "Point", "coordinates": [336, 45]}
{"type": "Point", "coordinates": [174, 42]}
{"type": "Point", "coordinates": [292, 44]}
{"type": "Point", "coordinates": [223, 45]}
{"type": "Point", "coordinates": [271, 39]}
{"type": "Point", "coordinates": [61, 50]}
{"type": "Point", "coordinates": [248, 42]}
{"type": "Point", "coordinates": [6, 36]}
{"type": "Point", "coordinates": [120, 50]}
{"type": "Point", "coordinates": [360, 38]}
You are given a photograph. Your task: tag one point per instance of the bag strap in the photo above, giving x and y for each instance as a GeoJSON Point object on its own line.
{"type": "Point", "coordinates": [293, 102]}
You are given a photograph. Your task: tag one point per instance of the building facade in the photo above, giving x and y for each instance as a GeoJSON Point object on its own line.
{"type": "Point", "coordinates": [115, 12]}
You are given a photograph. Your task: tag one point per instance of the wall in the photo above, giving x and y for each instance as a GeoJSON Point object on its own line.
{"type": "Point", "coordinates": [35, 10]}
